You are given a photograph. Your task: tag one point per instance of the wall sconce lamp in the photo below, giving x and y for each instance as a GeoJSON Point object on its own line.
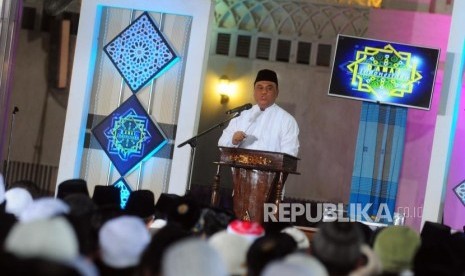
{"type": "Point", "coordinates": [224, 89]}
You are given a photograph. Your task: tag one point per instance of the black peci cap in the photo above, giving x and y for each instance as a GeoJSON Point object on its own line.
{"type": "Point", "coordinates": [266, 75]}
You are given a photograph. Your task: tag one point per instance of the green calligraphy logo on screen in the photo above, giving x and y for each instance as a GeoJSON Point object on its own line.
{"type": "Point", "coordinates": [384, 72]}
{"type": "Point", "coordinates": [127, 135]}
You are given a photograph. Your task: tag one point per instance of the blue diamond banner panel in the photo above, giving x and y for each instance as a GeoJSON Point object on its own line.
{"type": "Point", "coordinates": [460, 192]}
{"type": "Point", "coordinates": [140, 52]}
{"type": "Point", "coordinates": [124, 191]}
{"type": "Point", "coordinates": [128, 135]}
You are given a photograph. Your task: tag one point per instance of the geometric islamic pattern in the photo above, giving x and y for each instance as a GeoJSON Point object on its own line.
{"type": "Point", "coordinates": [140, 52]}
{"type": "Point", "coordinates": [128, 135]}
{"type": "Point", "coordinates": [460, 192]}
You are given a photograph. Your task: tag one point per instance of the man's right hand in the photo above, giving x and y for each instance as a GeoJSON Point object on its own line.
{"type": "Point", "coordinates": [238, 137]}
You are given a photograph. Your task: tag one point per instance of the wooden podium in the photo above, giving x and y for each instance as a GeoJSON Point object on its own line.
{"type": "Point", "coordinates": [258, 178]}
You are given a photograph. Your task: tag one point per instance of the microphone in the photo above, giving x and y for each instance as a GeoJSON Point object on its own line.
{"type": "Point", "coordinates": [15, 109]}
{"type": "Point", "coordinates": [240, 108]}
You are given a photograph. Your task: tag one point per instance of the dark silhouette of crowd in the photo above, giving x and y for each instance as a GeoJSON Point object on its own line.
{"type": "Point", "coordinates": [78, 234]}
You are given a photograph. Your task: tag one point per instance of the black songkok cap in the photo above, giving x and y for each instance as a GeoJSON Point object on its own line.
{"type": "Point", "coordinates": [266, 75]}
{"type": "Point", "coordinates": [141, 203]}
{"type": "Point", "coordinates": [72, 186]}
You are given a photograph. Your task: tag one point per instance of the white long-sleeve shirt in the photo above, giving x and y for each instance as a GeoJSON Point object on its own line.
{"type": "Point", "coordinates": [270, 130]}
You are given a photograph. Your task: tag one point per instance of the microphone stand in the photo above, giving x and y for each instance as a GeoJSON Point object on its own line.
{"type": "Point", "coordinates": [9, 144]}
{"type": "Point", "coordinates": [193, 143]}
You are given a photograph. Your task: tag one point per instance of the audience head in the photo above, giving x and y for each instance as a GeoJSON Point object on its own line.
{"type": "Point", "coordinates": [371, 265]}
{"type": "Point", "coordinates": [337, 245]}
{"type": "Point", "coordinates": [433, 233]}
{"type": "Point", "coordinates": [396, 246]}
{"type": "Point", "coordinates": [247, 229]}
{"type": "Point", "coordinates": [165, 203]}
{"type": "Point", "coordinates": [274, 227]}
{"type": "Point", "coordinates": [367, 232]}
{"type": "Point", "coordinates": [279, 268]}
{"type": "Point", "coordinates": [438, 254]}
{"type": "Point", "coordinates": [80, 205]}
{"type": "Point", "coordinates": [295, 264]}
{"type": "Point", "coordinates": [72, 186]}
{"type": "Point", "coordinates": [150, 263]}
{"type": "Point", "coordinates": [122, 241]}
{"type": "Point", "coordinates": [17, 200]}
{"type": "Point", "coordinates": [43, 208]}
{"type": "Point", "coordinates": [141, 203]}
{"type": "Point", "coordinates": [185, 213]}
{"type": "Point", "coordinates": [192, 256]}
{"type": "Point", "coordinates": [303, 243]}
{"type": "Point", "coordinates": [30, 186]}
{"type": "Point", "coordinates": [213, 220]}
{"type": "Point", "coordinates": [12, 266]}
{"type": "Point", "coordinates": [232, 249]}
{"type": "Point", "coordinates": [107, 196]}
{"type": "Point", "coordinates": [82, 211]}
{"type": "Point", "coordinates": [313, 266]}
{"type": "Point", "coordinates": [435, 259]}
{"type": "Point", "coordinates": [51, 239]}
{"type": "Point", "coordinates": [267, 249]}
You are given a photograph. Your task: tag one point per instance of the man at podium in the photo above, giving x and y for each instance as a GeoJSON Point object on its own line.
{"type": "Point", "coordinates": [265, 126]}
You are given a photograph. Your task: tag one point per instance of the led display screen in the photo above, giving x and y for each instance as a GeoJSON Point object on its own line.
{"type": "Point", "coordinates": [383, 72]}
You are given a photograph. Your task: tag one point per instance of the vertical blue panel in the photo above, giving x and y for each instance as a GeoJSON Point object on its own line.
{"type": "Point", "coordinates": [378, 157]}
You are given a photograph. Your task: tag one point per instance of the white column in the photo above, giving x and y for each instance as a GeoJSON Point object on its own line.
{"type": "Point", "coordinates": [445, 123]}
{"type": "Point", "coordinates": [83, 72]}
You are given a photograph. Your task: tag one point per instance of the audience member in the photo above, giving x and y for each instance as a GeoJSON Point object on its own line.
{"type": "Point", "coordinates": [43, 208]}
{"type": "Point", "coordinates": [247, 229]}
{"type": "Point", "coordinates": [141, 203]}
{"type": "Point", "coordinates": [299, 237]}
{"type": "Point", "coordinates": [150, 264]}
{"type": "Point", "coordinates": [122, 241]}
{"type": "Point", "coordinates": [165, 203]}
{"type": "Point", "coordinates": [68, 235]}
{"type": "Point", "coordinates": [107, 196]}
{"type": "Point", "coordinates": [232, 250]}
{"type": "Point", "coordinates": [279, 268]}
{"type": "Point", "coordinates": [314, 266]}
{"type": "Point", "coordinates": [30, 186]}
{"type": "Point", "coordinates": [366, 231]}
{"type": "Point", "coordinates": [396, 247]}
{"type": "Point", "coordinates": [434, 233]}
{"type": "Point", "coordinates": [337, 245]}
{"type": "Point", "coordinates": [192, 256]}
{"type": "Point", "coordinates": [17, 200]}
{"type": "Point", "coordinates": [436, 255]}
{"type": "Point", "coordinates": [82, 211]}
{"type": "Point", "coordinates": [267, 249]}
{"type": "Point", "coordinates": [49, 238]}
{"type": "Point", "coordinates": [370, 266]}
{"type": "Point", "coordinates": [72, 186]}
{"type": "Point", "coordinates": [185, 213]}
{"type": "Point", "coordinates": [11, 265]}
{"type": "Point", "coordinates": [213, 220]}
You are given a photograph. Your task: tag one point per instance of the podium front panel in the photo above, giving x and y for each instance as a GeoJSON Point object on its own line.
{"type": "Point", "coordinates": [252, 188]}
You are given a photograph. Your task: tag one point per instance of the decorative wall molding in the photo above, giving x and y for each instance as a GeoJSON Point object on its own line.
{"type": "Point", "coordinates": [302, 19]}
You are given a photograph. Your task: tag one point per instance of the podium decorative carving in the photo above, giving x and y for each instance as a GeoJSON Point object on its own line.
{"type": "Point", "coordinates": [251, 160]}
